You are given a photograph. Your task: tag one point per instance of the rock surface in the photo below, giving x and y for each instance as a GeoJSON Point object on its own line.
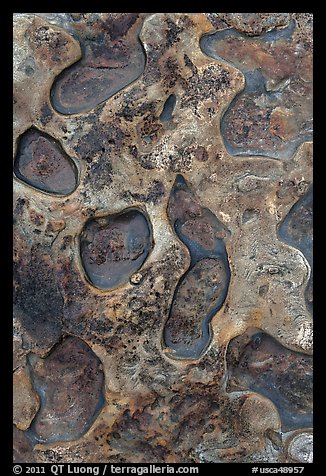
{"type": "Point", "coordinates": [26, 400]}
{"type": "Point", "coordinates": [162, 227]}
{"type": "Point", "coordinates": [69, 382]}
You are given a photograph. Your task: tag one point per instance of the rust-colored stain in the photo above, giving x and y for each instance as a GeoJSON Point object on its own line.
{"type": "Point", "coordinates": [258, 362]}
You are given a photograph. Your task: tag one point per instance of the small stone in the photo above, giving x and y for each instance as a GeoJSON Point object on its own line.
{"type": "Point", "coordinates": [136, 278]}
{"type": "Point", "coordinates": [263, 290]}
{"type": "Point", "coordinates": [54, 226]}
{"type": "Point", "coordinates": [301, 448]}
{"type": "Point", "coordinates": [26, 402]}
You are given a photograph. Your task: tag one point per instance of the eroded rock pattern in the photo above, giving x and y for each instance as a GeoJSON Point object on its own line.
{"type": "Point", "coordinates": [162, 237]}
{"type": "Point", "coordinates": [297, 230]}
{"type": "Point", "coordinates": [113, 248]}
{"type": "Point", "coordinates": [42, 163]}
{"type": "Point", "coordinates": [112, 58]}
{"type": "Point", "coordinates": [273, 114]}
{"type": "Point", "coordinates": [69, 382]}
{"type": "Point", "coordinates": [201, 291]}
{"type": "Point", "coordinates": [258, 362]}
{"type": "Point", "coordinates": [22, 447]}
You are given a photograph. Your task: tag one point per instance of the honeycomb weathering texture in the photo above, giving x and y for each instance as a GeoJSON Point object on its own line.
{"type": "Point", "coordinates": [113, 248]}
{"type": "Point", "coordinates": [41, 163]}
{"type": "Point", "coordinates": [113, 58]}
{"type": "Point", "coordinates": [272, 115]}
{"type": "Point", "coordinates": [69, 381]}
{"type": "Point", "coordinates": [201, 291]}
{"type": "Point", "coordinates": [282, 375]}
{"type": "Point", "coordinates": [297, 230]}
{"type": "Point", "coordinates": [163, 206]}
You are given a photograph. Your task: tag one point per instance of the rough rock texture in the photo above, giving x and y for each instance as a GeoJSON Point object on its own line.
{"type": "Point", "coordinates": [258, 362]}
{"type": "Point", "coordinates": [69, 381]}
{"type": "Point", "coordinates": [26, 401]}
{"type": "Point", "coordinates": [162, 237]}
{"type": "Point", "coordinates": [42, 164]}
